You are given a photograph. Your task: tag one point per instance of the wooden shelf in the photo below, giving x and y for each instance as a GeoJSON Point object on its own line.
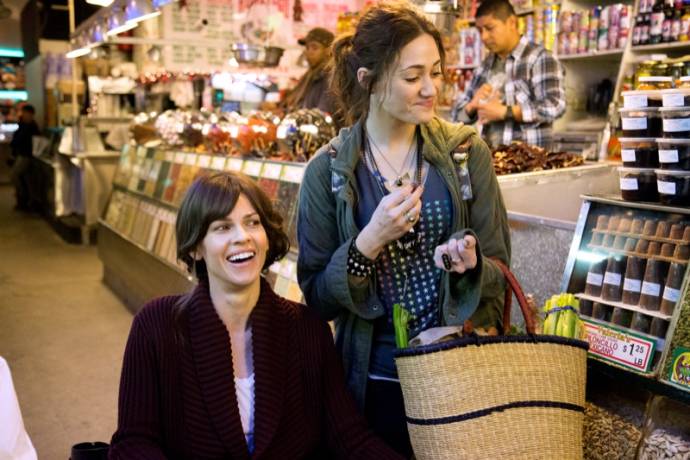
{"type": "Point", "coordinates": [625, 306]}
{"type": "Point", "coordinates": [591, 55]}
{"type": "Point", "coordinates": [663, 47]}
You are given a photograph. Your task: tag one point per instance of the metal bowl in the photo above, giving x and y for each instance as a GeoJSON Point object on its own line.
{"type": "Point", "coordinates": [272, 56]}
{"type": "Point", "coordinates": [246, 53]}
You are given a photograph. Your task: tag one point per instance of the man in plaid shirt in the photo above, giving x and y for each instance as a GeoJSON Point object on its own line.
{"type": "Point", "coordinates": [517, 92]}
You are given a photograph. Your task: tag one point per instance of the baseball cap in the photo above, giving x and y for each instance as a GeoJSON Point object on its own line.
{"type": "Point", "coordinates": [319, 35]}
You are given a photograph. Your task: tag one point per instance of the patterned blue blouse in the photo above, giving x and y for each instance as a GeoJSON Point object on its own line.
{"type": "Point", "coordinates": [395, 265]}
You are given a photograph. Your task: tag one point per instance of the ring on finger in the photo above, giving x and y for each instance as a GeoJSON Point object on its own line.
{"type": "Point", "coordinates": [411, 217]}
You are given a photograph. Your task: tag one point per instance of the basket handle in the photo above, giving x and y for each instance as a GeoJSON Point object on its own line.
{"type": "Point", "coordinates": [513, 285]}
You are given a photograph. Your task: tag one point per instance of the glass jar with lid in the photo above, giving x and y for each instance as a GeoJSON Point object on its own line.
{"type": "Point", "coordinates": [642, 70]}
{"type": "Point", "coordinates": [652, 83]}
{"type": "Point", "coordinates": [677, 71]}
{"type": "Point", "coordinates": [660, 69]}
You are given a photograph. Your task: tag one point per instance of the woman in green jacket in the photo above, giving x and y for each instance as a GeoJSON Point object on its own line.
{"type": "Point", "coordinates": [400, 208]}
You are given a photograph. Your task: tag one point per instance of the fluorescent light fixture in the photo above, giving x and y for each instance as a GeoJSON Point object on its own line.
{"type": "Point", "coordinates": [160, 3]}
{"type": "Point", "coordinates": [431, 7]}
{"type": "Point", "coordinates": [139, 10]}
{"type": "Point", "coordinates": [590, 257]}
{"type": "Point", "coordinates": [14, 95]}
{"type": "Point", "coordinates": [80, 47]}
{"type": "Point", "coordinates": [96, 35]}
{"type": "Point", "coordinates": [100, 2]}
{"type": "Point", "coordinates": [78, 52]}
{"type": "Point", "coordinates": [11, 52]}
{"type": "Point", "coordinates": [117, 22]}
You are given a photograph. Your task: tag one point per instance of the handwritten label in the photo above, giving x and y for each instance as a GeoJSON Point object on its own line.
{"type": "Point", "coordinates": [668, 156]}
{"type": "Point", "coordinates": [635, 101]}
{"type": "Point", "coordinates": [252, 168]}
{"type": "Point", "coordinates": [675, 125]}
{"type": "Point", "coordinates": [272, 171]}
{"type": "Point", "coordinates": [234, 164]}
{"type": "Point", "coordinates": [169, 156]}
{"type": "Point", "coordinates": [595, 279]}
{"type": "Point", "coordinates": [624, 348]}
{"type": "Point", "coordinates": [666, 188]}
{"type": "Point", "coordinates": [634, 124]}
{"type": "Point", "coordinates": [651, 289]}
{"type": "Point", "coordinates": [628, 155]}
{"type": "Point", "coordinates": [632, 285]}
{"type": "Point", "coordinates": [179, 157]}
{"type": "Point", "coordinates": [293, 174]}
{"type": "Point", "coordinates": [204, 161]}
{"type": "Point", "coordinates": [613, 279]}
{"type": "Point", "coordinates": [672, 295]}
{"type": "Point", "coordinates": [628, 183]}
{"type": "Point", "coordinates": [190, 159]}
{"type": "Point", "coordinates": [218, 163]}
{"type": "Point", "coordinates": [673, 100]}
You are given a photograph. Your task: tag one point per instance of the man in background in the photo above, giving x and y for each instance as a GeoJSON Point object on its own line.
{"type": "Point", "coordinates": [22, 147]}
{"type": "Point", "coordinates": [518, 91]}
{"type": "Point", "coordinates": [312, 89]}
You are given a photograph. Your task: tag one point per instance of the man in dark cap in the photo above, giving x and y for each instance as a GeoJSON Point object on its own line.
{"type": "Point", "coordinates": [312, 89]}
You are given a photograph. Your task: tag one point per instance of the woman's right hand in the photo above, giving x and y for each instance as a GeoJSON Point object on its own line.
{"type": "Point", "coordinates": [395, 215]}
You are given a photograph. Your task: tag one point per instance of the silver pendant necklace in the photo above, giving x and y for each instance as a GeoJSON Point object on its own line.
{"type": "Point", "coordinates": [403, 176]}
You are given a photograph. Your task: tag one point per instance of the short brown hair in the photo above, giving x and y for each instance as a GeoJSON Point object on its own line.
{"type": "Point", "coordinates": [381, 33]}
{"type": "Point", "coordinates": [213, 197]}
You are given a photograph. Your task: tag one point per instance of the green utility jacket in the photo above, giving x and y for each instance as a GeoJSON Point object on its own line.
{"type": "Point", "coordinates": [326, 226]}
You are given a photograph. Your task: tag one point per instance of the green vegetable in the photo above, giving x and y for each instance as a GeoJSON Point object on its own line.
{"type": "Point", "coordinates": [400, 319]}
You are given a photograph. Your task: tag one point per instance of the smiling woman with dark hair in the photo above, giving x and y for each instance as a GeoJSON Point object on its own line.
{"type": "Point", "coordinates": [231, 370]}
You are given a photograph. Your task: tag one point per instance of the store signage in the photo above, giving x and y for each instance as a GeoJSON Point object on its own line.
{"type": "Point", "coordinates": [204, 161]}
{"type": "Point", "coordinates": [679, 373]}
{"type": "Point", "coordinates": [179, 157]}
{"type": "Point", "coordinates": [621, 347]}
{"type": "Point", "coordinates": [190, 159]}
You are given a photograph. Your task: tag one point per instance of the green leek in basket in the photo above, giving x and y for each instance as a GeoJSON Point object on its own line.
{"type": "Point", "coordinates": [400, 319]}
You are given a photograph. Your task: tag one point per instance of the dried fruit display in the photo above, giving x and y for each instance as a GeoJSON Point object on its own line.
{"type": "Point", "coordinates": [519, 157]}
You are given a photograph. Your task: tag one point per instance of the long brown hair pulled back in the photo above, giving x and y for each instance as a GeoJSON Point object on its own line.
{"type": "Point", "coordinates": [381, 33]}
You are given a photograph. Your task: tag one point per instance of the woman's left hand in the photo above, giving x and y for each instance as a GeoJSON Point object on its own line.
{"type": "Point", "coordinates": [461, 255]}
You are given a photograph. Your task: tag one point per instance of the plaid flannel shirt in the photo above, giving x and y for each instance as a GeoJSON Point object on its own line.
{"type": "Point", "coordinates": [534, 82]}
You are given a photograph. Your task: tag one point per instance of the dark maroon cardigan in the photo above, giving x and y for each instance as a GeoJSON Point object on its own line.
{"type": "Point", "coordinates": [177, 398]}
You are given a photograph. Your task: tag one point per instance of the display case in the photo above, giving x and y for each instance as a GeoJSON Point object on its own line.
{"type": "Point", "coordinates": [627, 264]}
{"type": "Point", "coordinates": [137, 237]}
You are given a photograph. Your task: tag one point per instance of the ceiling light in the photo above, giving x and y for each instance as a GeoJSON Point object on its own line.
{"type": "Point", "coordinates": [160, 3]}
{"type": "Point", "coordinates": [100, 2]}
{"type": "Point", "coordinates": [140, 10]}
{"type": "Point", "coordinates": [117, 22]}
{"type": "Point", "coordinates": [80, 47]}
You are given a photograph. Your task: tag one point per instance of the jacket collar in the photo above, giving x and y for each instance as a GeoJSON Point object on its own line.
{"type": "Point", "coordinates": [212, 355]}
{"type": "Point", "coordinates": [440, 138]}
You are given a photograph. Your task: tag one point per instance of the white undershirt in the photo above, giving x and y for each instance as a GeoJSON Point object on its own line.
{"type": "Point", "coordinates": [244, 387]}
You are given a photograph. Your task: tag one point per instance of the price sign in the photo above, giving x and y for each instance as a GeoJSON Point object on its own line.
{"type": "Point", "coordinates": [218, 163]}
{"type": "Point", "coordinates": [204, 161]}
{"type": "Point", "coordinates": [252, 168]}
{"type": "Point", "coordinates": [234, 164]}
{"type": "Point", "coordinates": [293, 174]}
{"type": "Point", "coordinates": [623, 348]}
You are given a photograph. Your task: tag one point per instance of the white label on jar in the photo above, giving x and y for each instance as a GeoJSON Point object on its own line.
{"type": "Point", "coordinates": [672, 295]}
{"type": "Point", "coordinates": [675, 125]}
{"type": "Point", "coordinates": [634, 124]}
{"type": "Point", "coordinates": [667, 188]}
{"type": "Point", "coordinates": [628, 155]}
{"type": "Point", "coordinates": [651, 289]}
{"type": "Point", "coordinates": [674, 100]}
{"type": "Point", "coordinates": [613, 279]}
{"type": "Point", "coordinates": [595, 279]}
{"type": "Point", "coordinates": [635, 101]}
{"type": "Point", "coordinates": [632, 285]}
{"type": "Point", "coordinates": [628, 183]}
{"type": "Point", "coordinates": [668, 156]}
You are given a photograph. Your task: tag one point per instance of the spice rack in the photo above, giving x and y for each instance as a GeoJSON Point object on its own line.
{"type": "Point", "coordinates": [628, 310]}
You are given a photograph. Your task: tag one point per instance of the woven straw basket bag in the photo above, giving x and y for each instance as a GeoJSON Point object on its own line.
{"type": "Point", "coordinates": [506, 397]}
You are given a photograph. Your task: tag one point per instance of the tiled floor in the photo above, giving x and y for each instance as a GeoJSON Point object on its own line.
{"type": "Point", "coordinates": [61, 331]}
